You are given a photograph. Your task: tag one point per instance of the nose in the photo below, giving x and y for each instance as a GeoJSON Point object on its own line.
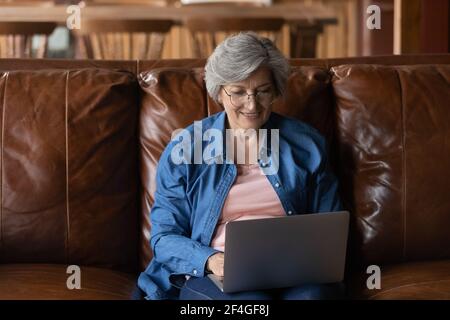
{"type": "Point", "coordinates": [251, 103]}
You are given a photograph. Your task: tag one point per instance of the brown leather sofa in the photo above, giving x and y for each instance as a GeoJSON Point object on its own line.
{"type": "Point", "coordinates": [80, 141]}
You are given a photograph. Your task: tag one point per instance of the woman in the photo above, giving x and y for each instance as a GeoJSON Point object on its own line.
{"type": "Point", "coordinates": [193, 202]}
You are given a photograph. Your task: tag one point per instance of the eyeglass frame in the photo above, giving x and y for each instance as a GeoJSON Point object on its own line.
{"type": "Point", "coordinates": [248, 97]}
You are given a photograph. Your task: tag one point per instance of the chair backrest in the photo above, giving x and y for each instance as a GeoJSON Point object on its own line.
{"type": "Point", "coordinates": [207, 32]}
{"type": "Point", "coordinates": [122, 39]}
{"type": "Point", "coordinates": [16, 38]}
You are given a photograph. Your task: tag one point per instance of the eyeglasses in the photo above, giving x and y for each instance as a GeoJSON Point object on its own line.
{"type": "Point", "coordinates": [238, 99]}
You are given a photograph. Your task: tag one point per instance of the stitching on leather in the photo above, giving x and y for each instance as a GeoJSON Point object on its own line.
{"type": "Point", "coordinates": [403, 161]}
{"type": "Point", "coordinates": [67, 165]}
{"type": "Point", "coordinates": [1, 161]}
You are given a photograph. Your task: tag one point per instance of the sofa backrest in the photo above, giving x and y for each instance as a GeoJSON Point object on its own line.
{"type": "Point", "coordinates": [69, 182]}
{"type": "Point", "coordinates": [375, 117]}
{"type": "Point", "coordinates": [393, 132]}
{"type": "Point", "coordinates": [69, 170]}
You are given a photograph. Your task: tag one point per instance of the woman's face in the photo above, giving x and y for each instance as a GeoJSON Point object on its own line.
{"type": "Point", "coordinates": [244, 112]}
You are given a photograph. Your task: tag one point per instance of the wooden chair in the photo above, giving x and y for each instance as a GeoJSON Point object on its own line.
{"type": "Point", "coordinates": [121, 39]}
{"type": "Point", "coordinates": [207, 32]}
{"type": "Point", "coordinates": [16, 38]}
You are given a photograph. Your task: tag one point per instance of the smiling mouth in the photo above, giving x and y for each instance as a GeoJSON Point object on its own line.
{"type": "Point", "coordinates": [250, 115]}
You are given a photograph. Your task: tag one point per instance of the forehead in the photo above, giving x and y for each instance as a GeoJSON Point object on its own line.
{"type": "Point", "coordinates": [259, 77]}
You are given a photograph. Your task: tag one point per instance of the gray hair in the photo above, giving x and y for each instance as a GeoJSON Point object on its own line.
{"type": "Point", "coordinates": [238, 56]}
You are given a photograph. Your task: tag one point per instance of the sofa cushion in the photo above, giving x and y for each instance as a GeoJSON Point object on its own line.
{"type": "Point", "coordinates": [393, 133]}
{"type": "Point", "coordinates": [171, 98]}
{"type": "Point", "coordinates": [69, 167]}
{"type": "Point", "coordinates": [174, 98]}
{"type": "Point", "coordinates": [419, 280]}
{"type": "Point", "coordinates": [49, 281]}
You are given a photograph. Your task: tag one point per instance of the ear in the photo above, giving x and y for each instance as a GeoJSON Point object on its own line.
{"type": "Point", "coordinates": [219, 99]}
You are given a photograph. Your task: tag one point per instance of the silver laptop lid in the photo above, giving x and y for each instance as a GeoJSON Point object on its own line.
{"type": "Point", "coordinates": [285, 251]}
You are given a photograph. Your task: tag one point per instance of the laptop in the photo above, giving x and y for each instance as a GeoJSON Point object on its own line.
{"type": "Point", "coordinates": [284, 252]}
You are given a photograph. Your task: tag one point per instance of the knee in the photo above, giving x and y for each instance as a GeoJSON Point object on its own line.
{"type": "Point", "coordinates": [253, 295]}
{"type": "Point", "coordinates": [329, 291]}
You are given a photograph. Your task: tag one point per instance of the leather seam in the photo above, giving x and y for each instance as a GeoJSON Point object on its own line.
{"type": "Point", "coordinates": [404, 165]}
{"type": "Point", "coordinates": [403, 141]}
{"type": "Point", "coordinates": [67, 166]}
{"type": "Point", "coordinates": [1, 161]}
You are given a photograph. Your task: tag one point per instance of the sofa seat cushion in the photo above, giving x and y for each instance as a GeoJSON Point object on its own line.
{"type": "Point", "coordinates": [48, 281]}
{"type": "Point", "coordinates": [420, 280]}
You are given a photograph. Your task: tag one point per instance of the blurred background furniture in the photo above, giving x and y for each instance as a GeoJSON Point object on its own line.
{"type": "Point", "coordinates": [34, 3]}
{"type": "Point", "coordinates": [121, 39]}
{"type": "Point", "coordinates": [208, 32]}
{"type": "Point", "coordinates": [157, 3]}
{"type": "Point", "coordinates": [16, 39]}
{"type": "Point", "coordinates": [178, 43]}
{"type": "Point", "coordinates": [313, 28]}
{"type": "Point", "coordinates": [238, 2]}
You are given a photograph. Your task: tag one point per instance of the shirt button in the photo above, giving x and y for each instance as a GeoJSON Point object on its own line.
{"type": "Point", "coordinates": [289, 212]}
{"type": "Point", "coordinates": [194, 271]}
{"type": "Point", "coordinates": [277, 185]}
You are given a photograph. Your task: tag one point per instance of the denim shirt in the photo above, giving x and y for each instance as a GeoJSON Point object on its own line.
{"type": "Point", "coordinates": [189, 199]}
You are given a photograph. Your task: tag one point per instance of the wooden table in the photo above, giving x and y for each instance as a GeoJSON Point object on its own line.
{"type": "Point", "coordinates": [306, 22]}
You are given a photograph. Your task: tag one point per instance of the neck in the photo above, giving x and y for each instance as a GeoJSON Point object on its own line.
{"type": "Point", "coordinates": [246, 146]}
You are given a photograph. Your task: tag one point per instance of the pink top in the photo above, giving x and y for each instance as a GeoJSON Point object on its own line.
{"type": "Point", "coordinates": [251, 197]}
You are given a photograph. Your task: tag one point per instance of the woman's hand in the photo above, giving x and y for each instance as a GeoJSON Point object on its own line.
{"type": "Point", "coordinates": [215, 264]}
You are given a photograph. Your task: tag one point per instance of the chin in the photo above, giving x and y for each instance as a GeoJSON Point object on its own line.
{"type": "Point", "coordinates": [251, 122]}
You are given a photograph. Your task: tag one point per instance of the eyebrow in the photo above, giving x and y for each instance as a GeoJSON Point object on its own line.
{"type": "Point", "coordinates": [242, 87]}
